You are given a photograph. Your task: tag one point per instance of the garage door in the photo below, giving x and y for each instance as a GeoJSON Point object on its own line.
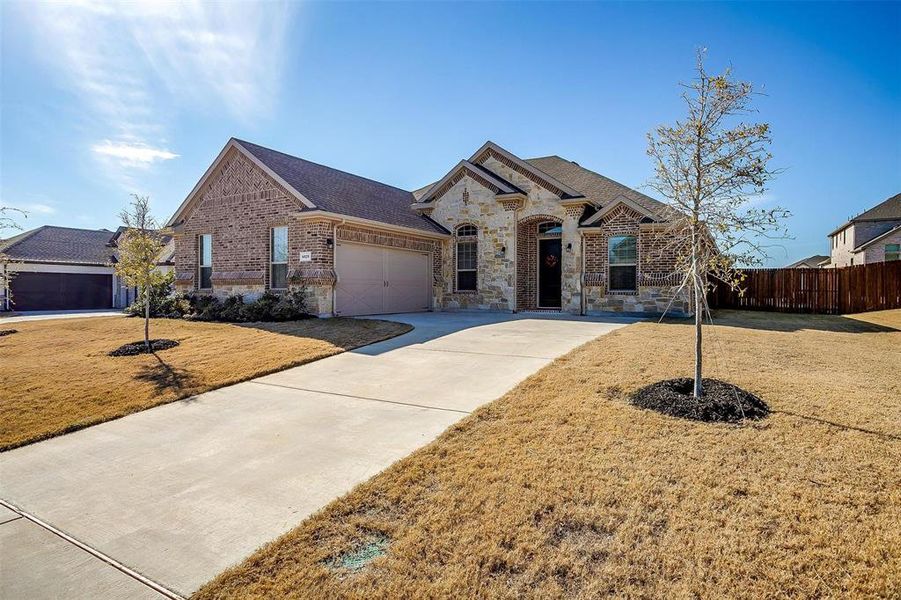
{"type": "Point", "coordinates": [61, 291]}
{"type": "Point", "coordinates": [375, 280]}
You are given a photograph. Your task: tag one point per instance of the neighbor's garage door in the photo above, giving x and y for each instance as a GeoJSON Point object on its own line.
{"type": "Point", "coordinates": [61, 291]}
{"type": "Point", "coordinates": [374, 280]}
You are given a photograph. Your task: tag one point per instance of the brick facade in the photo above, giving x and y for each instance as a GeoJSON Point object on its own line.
{"type": "Point", "coordinates": [239, 207]}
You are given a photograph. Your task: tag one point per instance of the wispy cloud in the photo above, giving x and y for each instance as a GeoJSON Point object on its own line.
{"type": "Point", "coordinates": [36, 208]}
{"type": "Point", "coordinates": [132, 155]}
{"type": "Point", "coordinates": [135, 66]}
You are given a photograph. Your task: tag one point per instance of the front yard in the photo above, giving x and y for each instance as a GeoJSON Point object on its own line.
{"type": "Point", "coordinates": [563, 489]}
{"type": "Point", "coordinates": [56, 376]}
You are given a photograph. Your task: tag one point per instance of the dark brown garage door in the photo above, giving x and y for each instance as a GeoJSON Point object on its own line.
{"type": "Point", "coordinates": [61, 291]}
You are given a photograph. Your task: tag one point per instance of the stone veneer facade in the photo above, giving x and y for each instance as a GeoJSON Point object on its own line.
{"type": "Point", "coordinates": [240, 204]}
{"type": "Point", "coordinates": [509, 229]}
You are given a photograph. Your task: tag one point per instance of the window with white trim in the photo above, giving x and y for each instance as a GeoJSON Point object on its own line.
{"type": "Point", "coordinates": [622, 256]}
{"type": "Point", "coordinates": [278, 258]}
{"type": "Point", "coordinates": [205, 261]}
{"type": "Point", "coordinates": [467, 249]}
{"type": "Point", "coordinates": [892, 252]}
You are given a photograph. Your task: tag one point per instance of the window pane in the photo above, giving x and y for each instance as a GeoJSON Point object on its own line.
{"type": "Point", "coordinates": [279, 244]}
{"type": "Point", "coordinates": [206, 250]}
{"type": "Point", "coordinates": [279, 276]}
{"type": "Point", "coordinates": [206, 274]}
{"type": "Point", "coordinates": [622, 278]}
{"type": "Point", "coordinates": [892, 252]}
{"type": "Point", "coordinates": [549, 227]}
{"type": "Point", "coordinates": [622, 250]}
{"type": "Point", "coordinates": [466, 280]}
{"type": "Point", "coordinates": [466, 255]}
{"type": "Point", "coordinates": [464, 230]}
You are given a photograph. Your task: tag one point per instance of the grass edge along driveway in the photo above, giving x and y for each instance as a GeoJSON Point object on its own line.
{"type": "Point", "coordinates": [57, 377]}
{"type": "Point", "coordinates": [563, 489]}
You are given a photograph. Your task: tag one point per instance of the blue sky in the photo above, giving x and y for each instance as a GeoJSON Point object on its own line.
{"type": "Point", "coordinates": [101, 100]}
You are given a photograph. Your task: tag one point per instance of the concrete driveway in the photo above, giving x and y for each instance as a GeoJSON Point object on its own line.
{"type": "Point", "coordinates": [157, 503]}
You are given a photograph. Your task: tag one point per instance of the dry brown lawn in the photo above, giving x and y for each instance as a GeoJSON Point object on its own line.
{"type": "Point", "coordinates": [55, 376]}
{"type": "Point", "coordinates": [563, 489]}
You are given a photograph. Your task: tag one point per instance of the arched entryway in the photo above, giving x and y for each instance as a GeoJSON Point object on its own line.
{"type": "Point", "coordinates": [539, 261]}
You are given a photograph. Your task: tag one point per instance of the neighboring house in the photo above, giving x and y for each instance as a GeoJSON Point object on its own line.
{"type": "Point", "coordinates": [872, 236]}
{"type": "Point", "coordinates": [496, 233]}
{"type": "Point", "coordinates": [62, 268]}
{"type": "Point", "coordinates": [811, 262]}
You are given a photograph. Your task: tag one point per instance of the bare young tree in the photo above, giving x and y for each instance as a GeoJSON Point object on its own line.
{"type": "Point", "coordinates": [709, 168]}
{"type": "Point", "coordinates": [139, 249]}
{"type": "Point", "coordinates": [7, 223]}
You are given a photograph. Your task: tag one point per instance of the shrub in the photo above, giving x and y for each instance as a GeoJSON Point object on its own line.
{"type": "Point", "coordinates": [163, 301]}
{"type": "Point", "coordinates": [290, 306]}
{"type": "Point", "coordinates": [268, 307]}
{"type": "Point", "coordinates": [261, 308]}
{"type": "Point", "coordinates": [231, 309]}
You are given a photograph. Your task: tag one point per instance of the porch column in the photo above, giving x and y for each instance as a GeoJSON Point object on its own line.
{"type": "Point", "coordinates": [571, 292]}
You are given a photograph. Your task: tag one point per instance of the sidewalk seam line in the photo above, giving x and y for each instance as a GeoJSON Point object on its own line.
{"type": "Point", "coordinates": [95, 553]}
{"type": "Point", "coordinates": [292, 387]}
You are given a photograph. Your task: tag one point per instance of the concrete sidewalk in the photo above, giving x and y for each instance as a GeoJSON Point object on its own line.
{"type": "Point", "coordinates": [45, 315]}
{"type": "Point", "coordinates": [180, 492]}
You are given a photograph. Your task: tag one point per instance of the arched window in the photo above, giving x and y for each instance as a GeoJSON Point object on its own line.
{"type": "Point", "coordinates": [622, 254]}
{"type": "Point", "coordinates": [467, 251]}
{"type": "Point", "coordinates": [549, 228]}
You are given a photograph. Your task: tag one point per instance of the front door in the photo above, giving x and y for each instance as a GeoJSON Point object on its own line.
{"type": "Point", "coordinates": [549, 273]}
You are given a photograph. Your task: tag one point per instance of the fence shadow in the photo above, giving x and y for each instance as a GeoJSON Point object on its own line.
{"type": "Point", "coordinates": [787, 322]}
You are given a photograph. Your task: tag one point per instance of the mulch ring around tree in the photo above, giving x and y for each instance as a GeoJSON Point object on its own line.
{"type": "Point", "coordinates": [720, 402]}
{"type": "Point", "coordinates": [135, 348]}
{"type": "Point", "coordinates": [8, 332]}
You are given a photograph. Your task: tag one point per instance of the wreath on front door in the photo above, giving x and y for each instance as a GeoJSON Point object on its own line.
{"type": "Point", "coordinates": [550, 261]}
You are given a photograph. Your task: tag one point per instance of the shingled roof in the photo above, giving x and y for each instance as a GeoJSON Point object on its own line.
{"type": "Point", "coordinates": [889, 210]}
{"type": "Point", "coordinates": [343, 193]}
{"type": "Point", "coordinates": [597, 188]}
{"type": "Point", "coordinates": [49, 243]}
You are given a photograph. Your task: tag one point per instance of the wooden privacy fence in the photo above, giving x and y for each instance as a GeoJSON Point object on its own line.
{"type": "Point", "coordinates": [843, 290]}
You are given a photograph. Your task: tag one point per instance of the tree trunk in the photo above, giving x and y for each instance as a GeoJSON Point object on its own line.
{"type": "Point", "coordinates": [147, 317]}
{"type": "Point", "coordinates": [698, 319]}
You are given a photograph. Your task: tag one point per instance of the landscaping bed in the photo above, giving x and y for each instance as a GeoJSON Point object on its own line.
{"type": "Point", "coordinates": [562, 488]}
{"type": "Point", "coordinates": [139, 347]}
{"type": "Point", "coordinates": [57, 375]}
{"type": "Point", "coordinates": [720, 402]}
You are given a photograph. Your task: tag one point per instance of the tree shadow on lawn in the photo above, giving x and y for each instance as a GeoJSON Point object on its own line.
{"type": "Point", "coordinates": [791, 322]}
{"type": "Point", "coordinates": [166, 378]}
{"type": "Point", "coordinates": [342, 332]}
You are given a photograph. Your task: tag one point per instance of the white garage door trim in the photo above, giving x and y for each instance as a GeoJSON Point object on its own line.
{"type": "Point", "coordinates": [373, 280]}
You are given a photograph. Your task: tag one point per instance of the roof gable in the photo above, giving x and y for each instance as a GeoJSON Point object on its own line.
{"type": "Point", "coordinates": [232, 145]}
{"type": "Point", "coordinates": [318, 187]}
{"type": "Point", "coordinates": [620, 201]}
{"type": "Point", "coordinates": [480, 174]}
{"type": "Point", "coordinates": [491, 150]}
